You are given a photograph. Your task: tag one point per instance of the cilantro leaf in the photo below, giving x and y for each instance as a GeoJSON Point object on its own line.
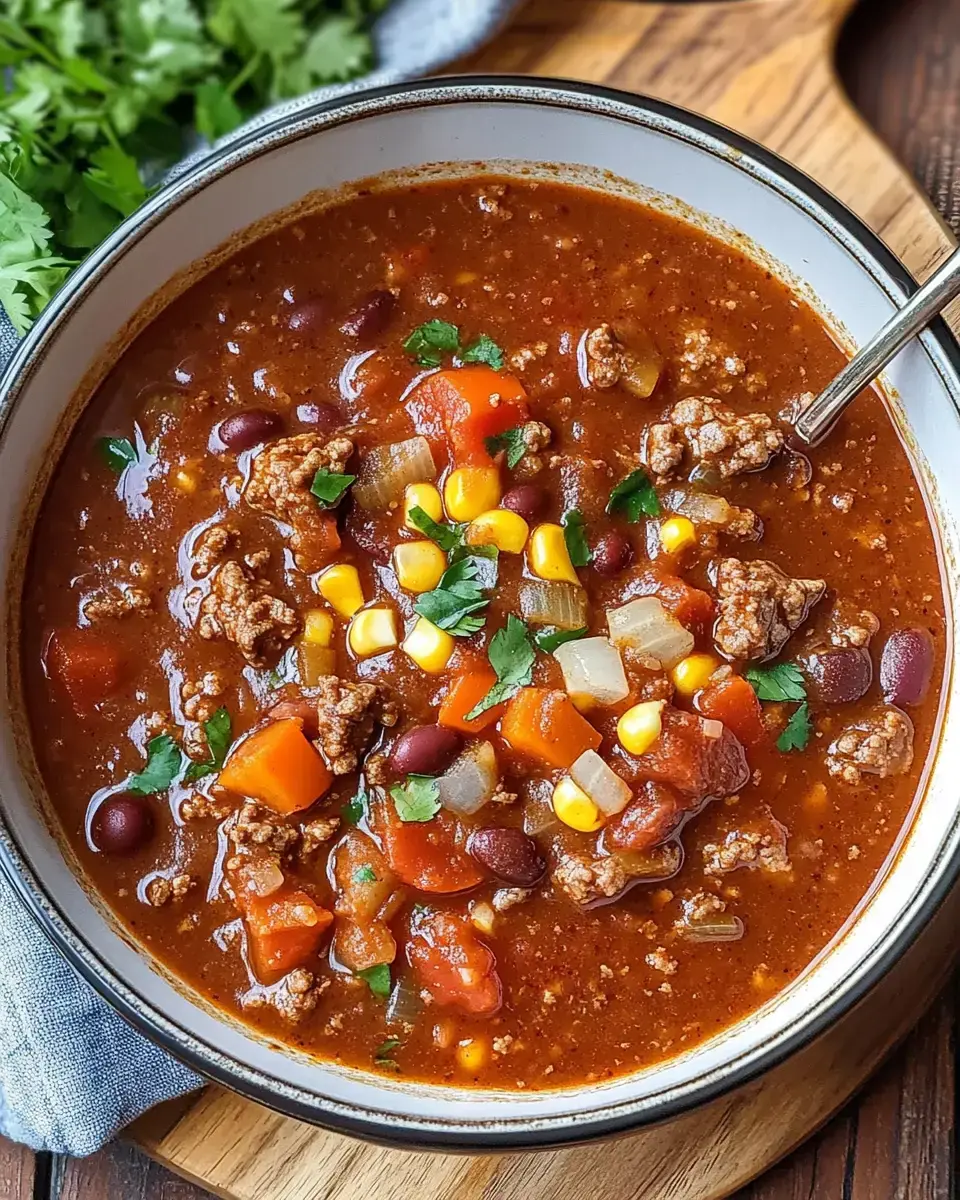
{"type": "Point", "coordinates": [356, 807]}
{"type": "Point", "coordinates": [329, 486]}
{"type": "Point", "coordinates": [797, 731]}
{"type": "Point", "coordinates": [29, 272]}
{"type": "Point", "coordinates": [418, 799]}
{"type": "Point", "coordinates": [164, 760]}
{"type": "Point", "coordinates": [458, 594]}
{"type": "Point", "coordinates": [781, 681]}
{"type": "Point", "coordinates": [365, 874]}
{"type": "Point", "coordinates": [511, 440]}
{"type": "Point", "coordinates": [219, 734]}
{"type": "Point", "coordinates": [548, 642]}
{"type": "Point", "coordinates": [383, 1055]}
{"type": "Point", "coordinates": [634, 497]}
{"type": "Point", "coordinates": [215, 112]}
{"type": "Point", "coordinates": [575, 536]}
{"type": "Point", "coordinates": [115, 180]}
{"type": "Point", "coordinates": [377, 979]}
{"type": "Point", "coordinates": [511, 656]}
{"type": "Point", "coordinates": [117, 453]}
{"type": "Point", "coordinates": [430, 341]}
{"type": "Point", "coordinates": [484, 350]}
{"type": "Point", "coordinates": [448, 537]}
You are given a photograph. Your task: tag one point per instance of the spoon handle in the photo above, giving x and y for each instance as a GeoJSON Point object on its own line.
{"type": "Point", "coordinates": [816, 421]}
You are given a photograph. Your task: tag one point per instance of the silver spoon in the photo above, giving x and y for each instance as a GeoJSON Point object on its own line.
{"type": "Point", "coordinates": [818, 418]}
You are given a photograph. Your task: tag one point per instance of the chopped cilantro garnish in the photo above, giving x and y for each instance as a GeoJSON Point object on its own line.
{"type": "Point", "coordinates": [797, 732]}
{"type": "Point", "coordinates": [117, 453]}
{"type": "Point", "coordinates": [548, 642]}
{"type": "Point", "coordinates": [356, 807]}
{"type": "Point", "coordinates": [383, 1055]}
{"type": "Point", "coordinates": [575, 535]}
{"type": "Point", "coordinates": [164, 760]}
{"type": "Point", "coordinates": [511, 440]}
{"type": "Point", "coordinates": [484, 350]}
{"type": "Point", "coordinates": [377, 979]}
{"type": "Point", "coordinates": [219, 734]}
{"type": "Point", "coordinates": [456, 596]}
{"type": "Point", "coordinates": [418, 799]}
{"type": "Point", "coordinates": [330, 486]}
{"type": "Point", "coordinates": [781, 681]}
{"type": "Point", "coordinates": [430, 341]}
{"type": "Point", "coordinates": [447, 537]}
{"type": "Point", "coordinates": [634, 497]}
{"type": "Point", "coordinates": [511, 656]}
{"type": "Point", "coordinates": [365, 874]}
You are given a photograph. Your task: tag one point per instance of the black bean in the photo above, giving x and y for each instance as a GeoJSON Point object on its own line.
{"type": "Point", "coordinates": [242, 430]}
{"type": "Point", "coordinates": [612, 554]}
{"type": "Point", "coordinates": [371, 316]}
{"type": "Point", "coordinates": [121, 825]}
{"type": "Point", "coordinates": [425, 750]}
{"type": "Point", "coordinates": [906, 666]}
{"type": "Point", "coordinates": [840, 675]}
{"type": "Point", "coordinates": [527, 500]}
{"type": "Point", "coordinates": [509, 854]}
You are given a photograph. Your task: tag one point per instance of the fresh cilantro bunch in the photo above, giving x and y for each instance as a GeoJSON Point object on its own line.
{"type": "Point", "coordinates": [100, 97]}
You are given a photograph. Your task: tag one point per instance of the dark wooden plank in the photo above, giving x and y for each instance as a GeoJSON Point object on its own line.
{"type": "Point", "coordinates": [119, 1172]}
{"type": "Point", "coordinates": [17, 1171]}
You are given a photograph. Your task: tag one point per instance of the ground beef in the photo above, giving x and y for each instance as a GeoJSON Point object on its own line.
{"type": "Point", "coordinates": [522, 358]}
{"type": "Point", "coordinates": [315, 833]}
{"type": "Point", "coordinates": [201, 698]}
{"type": "Point", "coordinates": [664, 450]}
{"type": "Point", "coordinates": [347, 714]}
{"type": "Point", "coordinates": [294, 997]}
{"type": "Point", "coordinates": [507, 898]}
{"type": "Point", "coordinates": [852, 627]}
{"type": "Point", "coordinates": [759, 607]}
{"type": "Point", "coordinates": [280, 486]}
{"type": "Point", "coordinates": [241, 609]}
{"type": "Point", "coordinates": [160, 890]}
{"type": "Point", "coordinates": [763, 847]}
{"type": "Point", "coordinates": [198, 807]}
{"type": "Point", "coordinates": [698, 908]}
{"type": "Point", "coordinates": [583, 879]}
{"type": "Point", "coordinates": [212, 546]}
{"type": "Point", "coordinates": [114, 602]}
{"type": "Point", "coordinates": [717, 437]}
{"type": "Point", "coordinates": [536, 436]}
{"type": "Point", "coordinates": [879, 744]}
{"type": "Point", "coordinates": [609, 361]}
{"type": "Point", "coordinates": [257, 826]}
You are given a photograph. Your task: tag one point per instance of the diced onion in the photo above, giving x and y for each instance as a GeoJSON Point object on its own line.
{"type": "Point", "coordinates": [387, 470]}
{"type": "Point", "coordinates": [604, 786]}
{"type": "Point", "coordinates": [560, 604]}
{"type": "Point", "coordinates": [262, 877]}
{"type": "Point", "coordinates": [592, 668]}
{"type": "Point", "coordinates": [717, 927]}
{"type": "Point", "coordinates": [645, 625]}
{"type": "Point", "coordinates": [658, 863]}
{"type": "Point", "coordinates": [700, 507]}
{"type": "Point", "coordinates": [711, 728]}
{"type": "Point", "coordinates": [405, 1004]}
{"type": "Point", "coordinates": [467, 785]}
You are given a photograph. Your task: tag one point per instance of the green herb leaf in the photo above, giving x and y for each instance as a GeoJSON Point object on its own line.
{"type": "Point", "coordinates": [355, 808]}
{"type": "Point", "coordinates": [383, 1055]}
{"type": "Point", "coordinates": [29, 272]}
{"type": "Point", "coordinates": [329, 486]}
{"type": "Point", "coordinates": [780, 681]}
{"type": "Point", "coordinates": [484, 350]}
{"type": "Point", "coordinates": [219, 733]}
{"type": "Point", "coordinates": [365, 874]}
{"type": "Point", "coordinates": [511, 440]}
{"type": "Point", "coordinates": [418, 799]}
{"type": "Point", "coordinates": [548, 642]}
{"type": "Point", "coordinates": [117, 453]}
{"type": "Point", "coordinates": [164, 760]}
{"type": "Point", "coordinates": [448, 537]}
{"type": "Point", "coordinates": [377, 979]}
{"type": "Point", "coordinates": [114, 179]}
{"type": "Point", "coordinates": [797, 732]}
{"type": "Point", "coordinates": [215, 112]}
{"type": "Point", "coordinates": [430, 341]}
{"type": "Point", "coordinates": [634, 497]}
{"type": "Point", "coordinates": [512, 657]}
{"type": "Point", "coordinates": [458, 594]}
{"type": "Point", "coordinates": [575, 535]}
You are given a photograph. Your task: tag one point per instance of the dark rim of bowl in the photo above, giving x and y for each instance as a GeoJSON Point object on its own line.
{"type": "Point", "coordinates": [527, 1132]}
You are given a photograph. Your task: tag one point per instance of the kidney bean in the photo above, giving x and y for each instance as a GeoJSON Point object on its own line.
{"type": "Point", "coordinates": [906, 666]}
{"type": "Point", "coordinates": [121, 825]}
{"type": "Point", "coordinates": [371, 316]}
{"type": "Point", "coordinates": [527, 500]}
{"type": "Point", "coordinates": [509, 854]}
{"type": "Point", "coordinates": [425, 750]}
{"type": "Point", "coordinates": [307, 317]}
{"type": "Point", "coordinates": [840, 675]}
{"type": "Point", "coordinates": [320, 416]}
{"type": "Point", "coordinates": [612, 554]}
{"type": "Point", "coordinates": [241, 430]}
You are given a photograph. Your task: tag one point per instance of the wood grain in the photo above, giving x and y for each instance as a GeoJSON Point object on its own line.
{"type": "Point", "coordinates": [17, 1171]}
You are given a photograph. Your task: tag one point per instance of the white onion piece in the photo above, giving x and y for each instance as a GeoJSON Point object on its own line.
{"type": "Point", "coordinates": [645, 625]}
{"type": "Point", "coordinates": [711, 728]}
{"type": "Point", "coordinates": [700, 507]}
{"type": "Point", "coordinates": [604, 786]}
{"type": "Point", "coordinates": [262, 877]}
{"type": "Point", "coordinates": [560, 604]}
{"type": "Point", "coordinates": [717, 927]}
{"type": "Point", "coordinates": [467, 785]}
{"type": "Point", "coordinates": [405, 1004]}
{"type": "Point", "coordinates": [592, 668]}
{"type": "Point", "coordinates": [386, 471]}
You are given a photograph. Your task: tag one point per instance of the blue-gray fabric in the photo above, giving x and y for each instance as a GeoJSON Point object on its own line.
{"type": "Point", "coordinates": [73, 1072]}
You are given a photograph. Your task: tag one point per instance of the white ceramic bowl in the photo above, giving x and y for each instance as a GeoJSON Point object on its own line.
{"type": "Point", "coordinates": [700, 171]}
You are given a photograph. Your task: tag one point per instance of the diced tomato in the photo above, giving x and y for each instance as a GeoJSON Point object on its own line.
{"type": "Point", "coordinates": [693, 608]}
{"type": "Point", "coordinates": [687, 758]}
{"type": "Point", "coordinates": [649, 819]}
{"type": "Point", "coordinates": [734, 702]}
{"type": "Point", "coordinates": [465, 693]}
{"type": "Point", "coordinates": [468, 405]}
{"type": "Point", "coordinates": [428, 855]}
{"type": "Point", "coordinates": [317, 539]}
{"type": "Point", "coordinates": [453, 964]}
{"type": "Point", "coordinates": [283, 930]}
{"type": "Point", "coordinates": [543, 723]}
{"type": "Point", "coordinates": [88, 666]}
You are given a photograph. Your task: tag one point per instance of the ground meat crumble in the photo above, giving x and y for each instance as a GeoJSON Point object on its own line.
{"type": "Point", "coordinates": [347, 715]}
{"type": "Point", "coordinates": [764, 847]}
{"type": "Point", "coordinates": [759, 607]}
{"type": "Point", "coordinates": [716, 437]}
{"type": "Point", "coordinates": [879, 744]}
{"type": "Point", "coordinates": [114, 602]}
{"type": "Point", "coordinates": [241, 609]}
{"type": "Point", "coordinates": [294, 997]}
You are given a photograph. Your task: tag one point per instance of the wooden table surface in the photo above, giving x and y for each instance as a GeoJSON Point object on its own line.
{"type": "Point", "coordinates": [900, 60]}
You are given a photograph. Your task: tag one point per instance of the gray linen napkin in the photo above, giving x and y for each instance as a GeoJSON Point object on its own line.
{"type": "Point", "coordinates": [72, 1072]}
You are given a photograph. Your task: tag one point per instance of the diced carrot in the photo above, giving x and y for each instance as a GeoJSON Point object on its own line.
{"type": "Point", "coordinates": [465, 693]}
{"type": "Point", "coordinates": [278, 766]}
{"type": "Point", "coordinates": [470, 404]}
{"type": "Point", "coordinates": [545, 724]}
{"type": "Point", "coordinates": [86, 665]}
{"type": "Point", "coordinates": [734, 702]}
{"type": "Point", "coordinates": [453, 964]}
{"type": "Point", "coordinates": [428, 855]}
{"type": "Point", "coordinates": [692, 607]}
{"type": "Point", "coordinates": [283, 931]}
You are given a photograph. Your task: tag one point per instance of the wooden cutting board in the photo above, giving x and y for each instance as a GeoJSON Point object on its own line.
{"type": "Point", "coordinates": [764, 67]}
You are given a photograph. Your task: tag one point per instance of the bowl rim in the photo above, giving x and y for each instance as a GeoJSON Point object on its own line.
{"type": "Point", "coordinates": [532, 1132]}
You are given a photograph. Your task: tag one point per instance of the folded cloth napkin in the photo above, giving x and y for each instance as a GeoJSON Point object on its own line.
{"type": "Point", "coordinates": [72, 1072]}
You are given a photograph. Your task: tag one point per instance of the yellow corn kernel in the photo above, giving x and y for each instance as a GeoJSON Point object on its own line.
{"type": "Point", "coordinates": [548, 556]}
{"type": "Point", "coordinates": [693, 673]}
{"type": "Point", "coordinates": [419, 565]}
{"type": "Point", "coordinates": [639, 727]}
{"type": "Point", "coordinates": [372, 631]}
{"type": "Point", "coordinates": [429, 647]}
{"type": "Point", "coordinates": [574, 807]}
{"type": "Point", "coordinates": [425, 496]}
{"type": "Point", "coordinates": [676, 533]}
{"type": "Point", "coordinates": [318, 627]}
{"type": "Point", "coordinates": [340, 587]}
{"type": "Point", "coordinates": [470, 491]}
{"type": "Point", "coordinates": [472, 1055]}
{"type": "Point", "coordinates": [499, 527]}
{"type": "Point", "coordinates": [466, 277]}
{"type": "Point", "coordinates": [186, 481]}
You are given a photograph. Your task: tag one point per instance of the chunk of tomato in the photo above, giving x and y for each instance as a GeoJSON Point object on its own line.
{"type": "Point", "coordinates": [650, 818]}
{"type": "Point", "coordinates": [734, 702]}
{"type": "Point", "coordinates": [692, 607]}
{"type": "Point", "coordinates": [468, 405]}
{"type": "Point", "coordinates": [453, 964]}
{"type": "Point", "coordinates": [686, 757]}
{"type": "Point", "coordinates": [284, 930]}
{"type": "Point", "coordinates": [429, 855]}
{"type": "Point", "coordinates": [87, 666]}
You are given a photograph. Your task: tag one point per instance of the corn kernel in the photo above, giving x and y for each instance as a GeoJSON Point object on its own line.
{"type": "Point", "coordinates": [693, 673]}
{"type": "Point", "coordinates": [574, 807]}
{"type": "Point", "coordinates": [482, 916]}
{"type": "Point", "coordinates": [372, 631]}
{"type": "Point", "coordinates": [677, 533]}
{"type": "Point", "coordinates": [639, 727]}
{"type": "Point", "coordinates": [340, 586]}
{"type": "Point", "coordinates": [463, 277]}
{"type": "Point", "coordinates": [318, 627]}
{"type": "Point", "coordinates": [548, 556]}
{"type": "Point", "coordinates": [429, 647]}
{"type": "Point", "coordinates": [470, 491]}
{"type": "Point", "coordinates": [472, 1055]}
{"type": "Point", "coordinates": [419, 565]}
{"type": "Point", "coordinates": [499, 527]}
{"type": "Point", "coordinates": [186, 481]}
{"type": "Point", "coordinates": [425, 496]}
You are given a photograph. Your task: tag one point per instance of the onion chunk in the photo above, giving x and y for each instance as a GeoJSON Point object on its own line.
{"type": "Point", "coordinates": [560, 604]}
{"type": "Point", "coordinates": [470, 782]}
{"type": "Point", "coordinates": [387, 470]}
{"type": "Point", "coordinates": [604, 786]}
{"type": "Point", "coordinates": [592, 671]}
{"type": "Point", "coordinates": [645, 625]}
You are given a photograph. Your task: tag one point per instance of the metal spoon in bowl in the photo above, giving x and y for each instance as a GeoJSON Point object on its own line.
{"type": "Point", "coordinates": [818, 418]}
